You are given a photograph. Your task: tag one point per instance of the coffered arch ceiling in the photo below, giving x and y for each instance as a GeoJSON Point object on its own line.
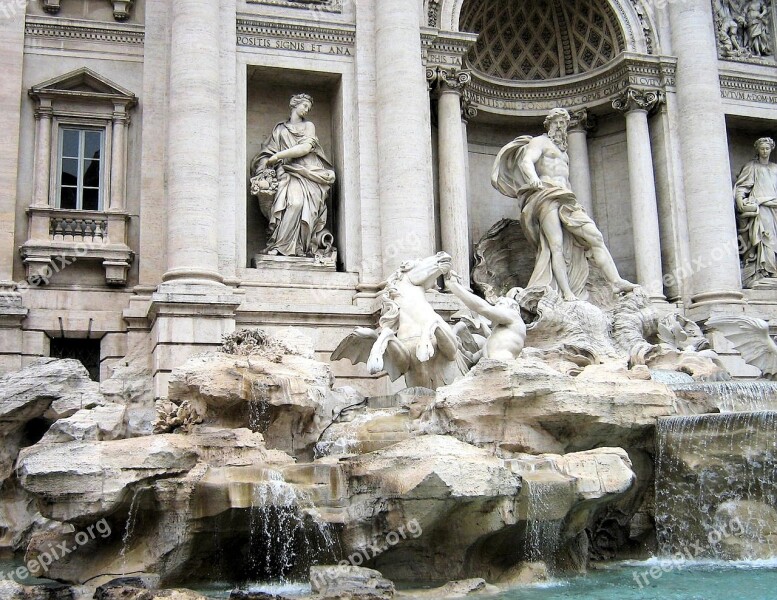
{"type": "Point", "coordinates": [540, 39]}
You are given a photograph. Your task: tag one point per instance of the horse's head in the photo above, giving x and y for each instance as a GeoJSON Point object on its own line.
{"type": "Point", "coordinates": [424, 272]}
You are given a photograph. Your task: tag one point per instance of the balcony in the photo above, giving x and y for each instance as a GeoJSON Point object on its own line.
{"type": "Point", "coordinates": [77, 235]}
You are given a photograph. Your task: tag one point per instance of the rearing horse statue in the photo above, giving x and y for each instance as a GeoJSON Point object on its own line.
{"type": "Point", "coordinates": [411, 340]}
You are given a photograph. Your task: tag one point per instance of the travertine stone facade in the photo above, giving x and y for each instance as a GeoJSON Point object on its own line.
{"type": "Point", "coordinates": [149, 246]}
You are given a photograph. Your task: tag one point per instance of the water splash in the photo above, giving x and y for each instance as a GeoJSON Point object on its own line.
{"type": "Point", "coordinates": [344, 437]}
{"type": "Point", "coordinates": [716, 485]}
{"type": "Point", "coordinates": [285, 530]}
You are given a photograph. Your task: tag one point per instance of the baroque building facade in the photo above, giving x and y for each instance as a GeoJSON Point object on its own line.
{"type": "Point", "coordinates": [128, 220]}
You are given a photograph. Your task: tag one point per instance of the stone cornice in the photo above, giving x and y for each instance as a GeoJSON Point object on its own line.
{"type": "Point", "coordinates": [445, 48]}
{"type": "Point", "coordinates": [89, 31]}
{"type": "Point", "coordinates": [595, 88]}
{"type": "Point", "coordinates": [743, 88]}
{"type": "Point", "coordinates": [295, 35]}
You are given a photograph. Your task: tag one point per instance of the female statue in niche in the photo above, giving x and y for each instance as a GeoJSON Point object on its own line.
{"type": "Point", "coordinates": [292, 177]}
{"type": "Point", "coordinates": [755, 193]}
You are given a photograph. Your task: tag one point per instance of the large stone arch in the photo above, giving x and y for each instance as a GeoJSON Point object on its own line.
{"type": "Point", "coordinates": [633, 17]}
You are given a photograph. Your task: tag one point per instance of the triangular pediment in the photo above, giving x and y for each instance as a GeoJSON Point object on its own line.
{"type": "Point", "coordinates": [83, 82]}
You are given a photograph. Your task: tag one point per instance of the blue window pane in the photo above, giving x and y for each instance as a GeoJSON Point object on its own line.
{"type": "Point", "coordinates": [93, 144]}
{"type": "Point", "coordinates": [92, 173]}
{"type": "Point", "coordinates": [68, 198]}
{"type": "Point", "coordinates": [70, 143]}
{"type": "Point", "coordinates": [91, 199]}
{"type": "Point", "coordinates": [69, 171]}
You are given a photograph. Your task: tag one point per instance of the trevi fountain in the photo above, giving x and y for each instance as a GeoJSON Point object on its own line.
{"type": "Point", "coordinates": [374, 362]}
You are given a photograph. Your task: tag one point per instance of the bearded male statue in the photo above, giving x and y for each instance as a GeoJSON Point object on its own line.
{"type": "Point", "coordinates": [535, 171]}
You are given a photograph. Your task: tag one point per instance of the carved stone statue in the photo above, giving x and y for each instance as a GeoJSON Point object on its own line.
{"type": "Point", "coordinates": [535, 171]}
{"type": "Point", "coordinates": [729, 25]}
{"type": "Point", "coordinates": [411, 340]}
{"type": "Point", "coordinates": [757, 38]}
{"type": "Point", "coordinates": [751, 339]}
{"type": "Point", "coordinates": [508, 331]}
{"type": "Point", "coordinates": [755, 193]}
{"type": "Point", "coordinates": [292, 178]}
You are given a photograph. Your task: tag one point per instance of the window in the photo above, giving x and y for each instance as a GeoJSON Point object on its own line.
{"type": "Point", "coordinates": [80, 181]}
{"type": "Point", "coordinates": [79, 193]}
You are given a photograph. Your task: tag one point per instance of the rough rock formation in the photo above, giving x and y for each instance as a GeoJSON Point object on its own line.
{"type": "Point", "coordinates": [511, 465]}
{"type": "Point", "coordinates": [527, 406]}
{"type": "Point", "coordinates": [438, 492]}
{"type": "Point", "coordinates": [349, 583]}
{"type": "Point", "coordinates": [269, 384]}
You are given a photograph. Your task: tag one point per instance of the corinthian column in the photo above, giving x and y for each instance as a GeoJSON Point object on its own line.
{"type": "Point", "coordinates": [579, 167]}
{"type": "Point", "coordinates": [704, 151]}
{"type": "Point", "coordinates": [193, 143]}
{"type": "Point", "coordinates": [404, 135]}
{"type": "Point", "coordinates": [636, 104]}
{"type": "Point", "coordinates": [449, 85]}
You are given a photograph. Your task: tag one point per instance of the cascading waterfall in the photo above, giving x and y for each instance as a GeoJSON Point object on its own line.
{"type": "Point", "coordinates": [716, 485]}
{"type": "Point", "coordinates": [285, 530]}
{"type": "Point", "coordinates": [543, 533]}
{"type": "Point", "coordinates": [132, 517]}
{"type": "Point", "coordinates": [731, 396]}
{"type": "Point", "coordinates": [258, 408]}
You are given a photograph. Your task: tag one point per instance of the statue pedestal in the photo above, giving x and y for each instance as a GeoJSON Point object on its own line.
{"type": "Point", "coordinates": [295, 263]}
{"type": "Point", "coordinates": [767, 283]}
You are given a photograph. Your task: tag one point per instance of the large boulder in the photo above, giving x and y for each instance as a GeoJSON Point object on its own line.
{"type": "Point", "coordinates": [273, 386]}
{"type": "Point", "coordinates": [421, 505]}
{"type": "Point", "coordinates": [81, 482]}
{"type": "Point", "coordinates": [527, 406]}
{"type": "Point", "coordinates": [349, 583]}
{"type": "Point", "coordinates": [33, 398]}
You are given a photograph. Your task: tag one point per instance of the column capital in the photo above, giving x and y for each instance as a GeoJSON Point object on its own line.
{"type": "Point", "coordinates": [469, 110]}
{"type": "Point", "coordinates": [637, 99]}
{"type": "Point", "coordinates": [582, 120]}
{"type": "Point", "coordinates": [447, 80]}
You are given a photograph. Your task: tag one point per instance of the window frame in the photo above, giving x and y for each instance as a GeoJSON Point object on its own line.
{"type": "Point", "coordinates": [59, 123]}
{"type": "Point", "coordinates": [101, 191]}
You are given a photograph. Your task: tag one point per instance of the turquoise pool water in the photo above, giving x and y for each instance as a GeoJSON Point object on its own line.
{"type": "Point", "coordinates": [633, 581]}
{"type": "Point", "coordinates": [669, 581]}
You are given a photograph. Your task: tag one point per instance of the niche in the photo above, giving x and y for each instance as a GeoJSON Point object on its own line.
{"type": "Point", "coordinates": [268, 94]}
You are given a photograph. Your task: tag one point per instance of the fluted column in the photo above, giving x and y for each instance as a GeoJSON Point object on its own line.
{"type": "Point", "coordinates": [42, 168]}
{"type": "Point", "coordinates": [579, 167]}
{"type": "Point", "coordinates": [449, 85]}
{"type": "Point", "coordinates": [193, 143]}
{"type": "Point", "coordinates": [636, 104]}
{"type": "Point", "coordinates": [704, 151]}
{"type": "Point", "coordinates": [404, 135]}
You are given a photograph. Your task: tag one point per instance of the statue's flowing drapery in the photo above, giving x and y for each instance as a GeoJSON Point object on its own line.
{"type": "Point", "coordinates": [535, 204]}
{"type": "Point", "coordinates": [298, 214]}
{"type": "Point", "coordinates": [758, 231]}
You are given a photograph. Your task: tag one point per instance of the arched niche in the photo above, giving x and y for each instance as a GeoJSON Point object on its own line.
{"type": "Point", "coordinates": [633, 17]}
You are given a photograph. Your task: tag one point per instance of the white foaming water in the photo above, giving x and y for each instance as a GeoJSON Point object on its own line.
{"type": "Point", "coordinates": [285, 528]}
{"type": "Point", "coordinates": [716, 486]}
